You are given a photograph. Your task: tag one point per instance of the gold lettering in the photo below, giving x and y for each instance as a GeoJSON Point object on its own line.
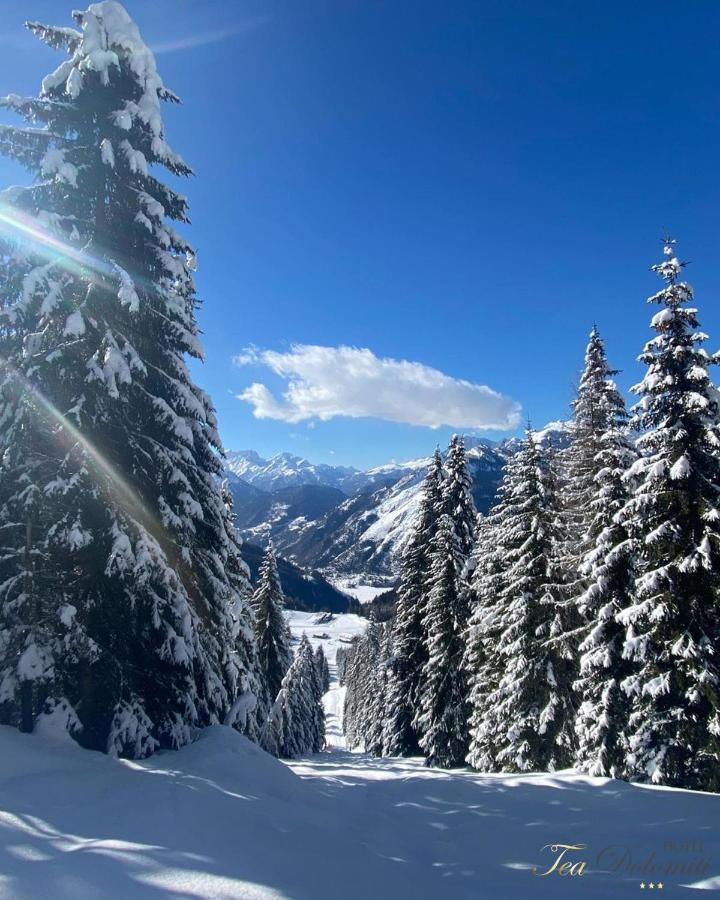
{"type": "Point", "coordinates": [560, 864]}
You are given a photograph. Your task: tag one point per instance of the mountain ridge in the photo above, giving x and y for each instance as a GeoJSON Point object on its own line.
{"type": "Point", "coordinates": [345, 521]}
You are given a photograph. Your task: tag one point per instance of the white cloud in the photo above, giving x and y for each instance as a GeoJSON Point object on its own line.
{"type": "Point", "coordinates": [201, 38]}
{"type": "Point", "coordinates": [325, 382]}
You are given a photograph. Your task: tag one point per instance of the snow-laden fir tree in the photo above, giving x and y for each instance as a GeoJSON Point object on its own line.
{"type": "Point", "coordinates": [673, 520]}
{"type": "Point", "coordinates": [322, 668]}
{"type": "Point", "coordinates": [483, 664]}
{"type": "Point", "coordinates": [376, 703]}
{"type": "Point", "coordinates": [575, 469]}
{"type": "Point", "coordinates": [317, 730]}
{"type": "Point", "coordinates": [459, 505]}
{"type": "Point", "coordinates": [409, 647]}
{"type": "Point", "coordinates": [442, 723]}
{"type": "Point", "coordinates": [354, 679]}
{"type": "Point", "coordinates": [296, 725]}
{"type": "Point", "coordinates": [525, 722]}
{"type": "Point", "coordinates": [274, 642]}
{"type": "Point", "coordinates": [457, 498]}
{"type": "Point", "coordinates": [250, 710]}
{"type": "Point", "coordinates": [342, 656]}
{"type": "Point", "coordinates": [123, 596]}
{"type": "Point", "coordinates": [361, 659]}
{"type": "Point", "coordinates": [580, 460]}
{"type": "Point", "coordinates": [606, 569]}
{"type": "Point", "coordinates": [365, 697]}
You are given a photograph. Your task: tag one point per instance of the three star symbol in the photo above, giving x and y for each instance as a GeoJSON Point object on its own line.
{"type": "Point", "coordinates": [652, 885]}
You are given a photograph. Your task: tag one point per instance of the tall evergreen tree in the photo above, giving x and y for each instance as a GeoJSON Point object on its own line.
{"type": "Point", "coordinates": [525, 723]}
{"type": "Point", "coordinates": [576, 468]}
{"type": "Point", "coordinates": [457, 499]}
{"type": "Point", "coordinates": [296, 725]}
{"type": "Point", "coordinates": [376, 701]}
{"type": "Point", "coordinates": [606, 570]}
{"type": "Point", "coordinates": [116, 599]}
{"type": "Point", "coordinates": [409, 647]}
{"type": "Point", "coordinates": [442, 722]}
{"type": "Point", "coordinates": [673, 520]}
{"type": "Point", "coordinates": [317, 712]}
{"type": "Point", "coordinates": [274, 642]}
{"type": "Point", "coordinates": [459, 505]}
{"type": "Point", "coordinates": [364, 710]}
{"type": "Point", "coordinates": [342, 657]}
{"type": "Point", "coordinates": [483, 664]}
{"type": "Point", "coordinates": [322, 668]}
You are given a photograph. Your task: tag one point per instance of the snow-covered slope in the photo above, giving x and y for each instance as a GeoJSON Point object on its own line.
{"type": "Point", "coordinates": [220, 819]}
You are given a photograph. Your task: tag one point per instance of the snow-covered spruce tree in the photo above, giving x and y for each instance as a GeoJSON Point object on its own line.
{"type": "Point", "coordinates": [375, 711]}
{"type": "Point", "coordinates": [458, 504]}
{"type": "Point", "coordinates": [483, 664]}
{"type": "Point", "coordinates": [318, 713]}
{"type": "Point", "coordinates": [38, 628]}
{"type": "Point", "coordinates": [674, 522]}
{"type": "Point", "coordinates": [120, 572]}
{"type": "Point", "coordinates": [409, 647]}
{"type": "Point", "coordinates": [322, 668]}
{"type": "Point", "coordinates": [250, 709]}
{"type": "Point", "coordinates": [443, 718]}
{"type": "Point", "coordinates": [274, 642]}
{"type": "Point", "coordinates": [606, 568]}
{"type": "Point", "coordinates": [457, 499]}
{"type": "Point", "coordinates": [342, 656]}
{"type": "Point", "coordinates": [365, 697]}
{"type": "Point", "coordinates": [361, 659]}
{"type": "Point", "coordinates": [576, 468]}
{"type": "Point", "coordinates": [296, 725]}
{"type": "Point", "coordinates": [526, 722]}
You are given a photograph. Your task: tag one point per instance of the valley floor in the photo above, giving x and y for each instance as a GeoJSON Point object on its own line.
{"type": "Point", "coordinates": [221, 819]}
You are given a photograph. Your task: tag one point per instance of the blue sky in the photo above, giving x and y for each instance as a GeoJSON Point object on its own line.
{"type": "Point", "coordinates": [467, 186]}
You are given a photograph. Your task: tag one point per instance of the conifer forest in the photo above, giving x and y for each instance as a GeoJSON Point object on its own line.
{"type": "Point", "coordinates": [490, 670]}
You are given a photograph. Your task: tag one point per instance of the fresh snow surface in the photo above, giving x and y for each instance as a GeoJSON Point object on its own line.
{"type": "Point", "coordinates": [220, 819]}
{"type": "Point", "coordinates": [329, 631]}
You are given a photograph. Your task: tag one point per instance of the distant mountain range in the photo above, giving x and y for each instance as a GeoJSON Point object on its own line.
{"type": "Point", "coordinates": [344, 521]}
{"type": "Point", "coordinates": [285, 470]}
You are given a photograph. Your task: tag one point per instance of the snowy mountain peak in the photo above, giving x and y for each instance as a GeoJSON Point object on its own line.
{"type": "Point", "coordinates": [554, 434]}
{"type": "Point", "coordinates": [286, 469]}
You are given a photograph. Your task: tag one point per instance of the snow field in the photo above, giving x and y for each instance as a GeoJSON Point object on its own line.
{"type": "Point", "coordinates": [220, 819]}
